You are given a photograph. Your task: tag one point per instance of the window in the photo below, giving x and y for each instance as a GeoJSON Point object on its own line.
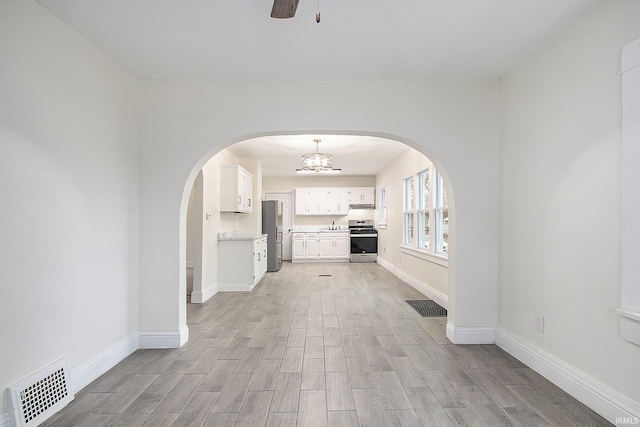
{"type": "Point", "coordinates": [408, 211]}
{"type": "Point", "coordinates": [382, 206]}
{"type": "Point", "coordinates": [441, 209]}
{"type": "Point", "coordinates": [424, 204]}
{"type": "Point", "coordinates": [426, 213]}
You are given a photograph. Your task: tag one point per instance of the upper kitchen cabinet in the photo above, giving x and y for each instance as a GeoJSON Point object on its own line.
{"type": "Point", "coordinates": [321, 201]}
{"type": "Point", "coordinates": [236, 189]}
{"type": "Point", "coordinates": [362, 198]}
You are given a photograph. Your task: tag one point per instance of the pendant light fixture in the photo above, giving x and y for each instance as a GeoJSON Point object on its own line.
{"type": "Point", "coordinates": [317, 162]}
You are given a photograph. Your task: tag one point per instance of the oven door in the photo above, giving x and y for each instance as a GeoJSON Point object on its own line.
{"type": "Point", "coordinates": [364, 247]}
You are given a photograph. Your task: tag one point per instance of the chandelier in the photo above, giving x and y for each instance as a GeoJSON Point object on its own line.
{"type": "Point", "coordinates": [317, 162]}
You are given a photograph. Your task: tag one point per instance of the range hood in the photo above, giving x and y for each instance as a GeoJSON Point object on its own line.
{"type": "Point", "coordinates": [362, 206]}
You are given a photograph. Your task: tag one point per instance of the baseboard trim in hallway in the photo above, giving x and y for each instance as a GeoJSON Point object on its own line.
{"type": "Point", "coordinates": [88, 371]}
{"type": "Point", "coordinates": [163, 339]}
{"type": "Point", "coordinates": [418, 285]}
{"type": "Point", "coordinates": [471, 334]}
{"type": "Point", "coordinates": [583, 387]}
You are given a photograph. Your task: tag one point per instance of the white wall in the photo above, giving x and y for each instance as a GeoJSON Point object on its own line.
{"type": "Point", "coordinates": [560, 199]}
{"type": "Point", "coordinates": [432, 274]}
{"type": "Point", "coordinates": [184, 123]}
{"type": "Point", "coordinates": [68, 179]}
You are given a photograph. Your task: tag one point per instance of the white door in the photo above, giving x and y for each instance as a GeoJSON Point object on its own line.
{"type": "Point", "coordinates": [287, 204]}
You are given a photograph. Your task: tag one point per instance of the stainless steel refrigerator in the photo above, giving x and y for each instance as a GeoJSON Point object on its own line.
{"type": "Point", "coordinates": [272, 227]}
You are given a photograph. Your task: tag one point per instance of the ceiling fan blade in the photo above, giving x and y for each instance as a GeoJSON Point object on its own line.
{"type": "Point", "coordinates": [284, 8]}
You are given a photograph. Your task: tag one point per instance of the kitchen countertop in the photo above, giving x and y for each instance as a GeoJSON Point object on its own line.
{"type": "Point", "coordinates": [232, 235]}
{"type": "Point", "coordinates": [318, 230]}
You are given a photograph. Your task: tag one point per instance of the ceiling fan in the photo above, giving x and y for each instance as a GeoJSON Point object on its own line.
{"type": "Point", "coordinates": [284, 8]}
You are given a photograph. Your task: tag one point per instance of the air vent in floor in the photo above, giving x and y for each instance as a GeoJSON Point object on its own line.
{"type": "Point", "coordinates": [41, 395]}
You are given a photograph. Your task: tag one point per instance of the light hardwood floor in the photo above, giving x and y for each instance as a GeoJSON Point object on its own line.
{"type": "Point", "coordinates": [307, 350]}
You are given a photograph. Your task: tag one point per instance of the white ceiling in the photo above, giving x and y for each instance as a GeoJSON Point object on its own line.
{"type": "Point", "coordinates": [355, 155]}
{"type": "Point", "coordinates": [356, 39]}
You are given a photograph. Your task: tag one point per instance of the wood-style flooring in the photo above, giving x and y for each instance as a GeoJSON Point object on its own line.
{"type": "Point", "coordinates": [310, 350]}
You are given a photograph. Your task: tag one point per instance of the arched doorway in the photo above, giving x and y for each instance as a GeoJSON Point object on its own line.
{"type": "Point", "coordinates": [408, 166]}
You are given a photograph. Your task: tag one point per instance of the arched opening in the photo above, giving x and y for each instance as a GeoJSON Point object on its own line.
{"type": "Point", "coordinates": [414, 161]}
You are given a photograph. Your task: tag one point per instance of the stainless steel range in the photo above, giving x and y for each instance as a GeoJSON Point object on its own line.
{"type": "Point", "coordinates": [364, 240]}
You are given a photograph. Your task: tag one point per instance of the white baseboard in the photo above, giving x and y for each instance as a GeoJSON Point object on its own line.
{"type": "Point", "coordinates": [163, 339]}
{"type": "Point", "coordinates": [597, 396]}
{"type": "Point", "coordinates": [440, 298]}
{"type": "Point", "coordinates": [204, 295]}
{"type": "Point", "coordinates": [471, 334]}
{"type": "Point", "coordinates": [88, 371]}
{"type": "Point", "coordinates": [234, 287]}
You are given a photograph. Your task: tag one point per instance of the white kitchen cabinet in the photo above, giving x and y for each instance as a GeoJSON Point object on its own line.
{"type": "Point", "coordinates": [242, 262]}
{"type": "Point", "coordinates": [311, 246]}
{"type": "Point", "coordinates": [342, 246]}
{"type": "Point", "coordinates": [338, 201]}
{"type": "Point", "coordinates": [301, 202]}
{"type": "Point", "coordinates": [236, 189]}
{"type": "Point", "coordinates": [362, 196]}
{"type": "Point", "coordinates": [321, 201]}
{"type": "Point", "coordinates": [327, 246]}
{"type": "Point", "coordinates": [297, 246]}
{"type": "Point", "coordinates": [260, 256]}
{"type": "Point", "coordinates": [309, 201]}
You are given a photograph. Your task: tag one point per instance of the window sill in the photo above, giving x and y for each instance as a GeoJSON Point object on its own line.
{"type": "Point", "coordinates": [427, 256]}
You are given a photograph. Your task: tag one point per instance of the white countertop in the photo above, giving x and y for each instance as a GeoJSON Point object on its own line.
{"type": "Point", "coordinates": [234, 235]}
{"type": "Point", "coordinates": [318, 230]}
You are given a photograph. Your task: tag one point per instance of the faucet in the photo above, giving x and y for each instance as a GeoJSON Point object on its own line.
{"type": "Point", "coordinates": [333, 225]}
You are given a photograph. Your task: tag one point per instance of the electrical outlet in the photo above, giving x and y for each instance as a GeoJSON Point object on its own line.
{"type": "Point", "coordinates": [540, 323]}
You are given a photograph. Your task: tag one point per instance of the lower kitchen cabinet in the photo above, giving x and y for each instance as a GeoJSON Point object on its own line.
{"type": "Point", "coordinates": [323, 246]}
{"type": "Point", "coordinates": [242, 262]}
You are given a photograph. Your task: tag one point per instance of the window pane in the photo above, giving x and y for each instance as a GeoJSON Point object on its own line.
{"type": "Point", "coordinates": [408, 227]}
{"type": "Point", "coordinates": [441, 199]}
{"type": "Point", "coordinates": [409, 195]}
{"type": "Point", "coordinates": [424, 190]}
{"type": "Point", "coordinates": [423, 229]}
{"type": "Point", "coordinates": [442, 230]}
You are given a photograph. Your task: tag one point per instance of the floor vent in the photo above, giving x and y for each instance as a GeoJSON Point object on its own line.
{"type": "Point", "coordinates": [427, 308]}
{"type": "Point", "coordinates": [41, 395]}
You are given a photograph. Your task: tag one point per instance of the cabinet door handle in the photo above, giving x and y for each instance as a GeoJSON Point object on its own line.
{"type": "Point", "coordinates": [265, 253]}
{"type": "Point", "coordinates": [249, 202]}
{"type": "Point", "coordinates": [258, 256]}
{"type": "Point", "coordinates": [239, 200]}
